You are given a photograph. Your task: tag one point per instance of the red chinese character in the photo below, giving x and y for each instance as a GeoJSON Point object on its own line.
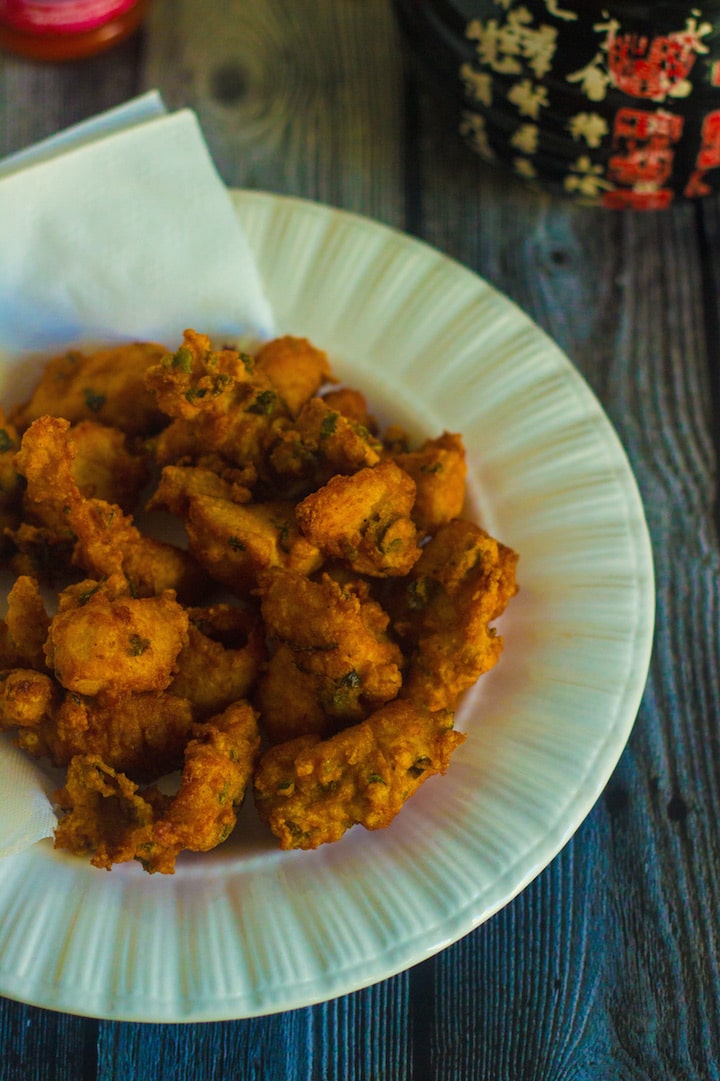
{"type": "Point", "coordinates": [653, 68]}
{"type": "Point", "coordinates": [643, 160]}
{"type": "Point", "coordinates": [638, 200]}
{"type": "Point", "coordinates": [708, 156]}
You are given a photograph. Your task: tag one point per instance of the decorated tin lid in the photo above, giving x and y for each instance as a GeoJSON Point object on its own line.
{"type": "Point", "coordinates": [616, 103]}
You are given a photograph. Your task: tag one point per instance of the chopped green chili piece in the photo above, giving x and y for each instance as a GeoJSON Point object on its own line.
{"type": "Point", "coordinates": [138, 645]}
{"type": "Point", "coordinates": [328, 425]}
{"type": "Point", "coordinates": [93, 401]}
{"type": "Point", "coordinates": [183, 360]}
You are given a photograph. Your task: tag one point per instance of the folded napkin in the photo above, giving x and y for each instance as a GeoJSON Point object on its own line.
{"type": "Point", "coordinates": [118, 229]}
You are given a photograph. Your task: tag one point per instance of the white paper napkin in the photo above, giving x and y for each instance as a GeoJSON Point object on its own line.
{"type": "Point", "coordinates": [118, 229]}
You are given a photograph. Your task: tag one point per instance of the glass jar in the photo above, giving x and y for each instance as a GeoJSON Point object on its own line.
{"type": "Point", "coordinates": [67, 29]}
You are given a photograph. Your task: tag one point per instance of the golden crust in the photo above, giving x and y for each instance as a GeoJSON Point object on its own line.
{"type": "Point", "coordinates": [365, 604]}
{"type": "Point", "coordinates": [310, 791]}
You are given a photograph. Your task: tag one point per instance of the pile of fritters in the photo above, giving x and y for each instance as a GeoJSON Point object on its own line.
{"type": "Point", "coordinates": [361, 603]}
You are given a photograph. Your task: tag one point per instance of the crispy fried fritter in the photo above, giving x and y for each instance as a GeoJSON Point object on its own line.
{"type": "Point", "coordinates": [236, 543]}
{"type": "Point", "coordinates": [142, 735]}
{"type": "Point", "coordinates": [178, 485]}
{"type": "Point", "coordinates": [353, 405]}
{"type": "Point", "coordinates": [364, 519]}
{"type": "Point", "coordinates": [107, 544]}
{"type": "Point", "coordinates": [461, 583]}
{"type": "Point", "coordinates": [107, 386]}
{"type": "Point", "coordinates": [222, 402]}
{"type": "Point", "coordinates": [27, 697]}
{"type": "Point", "coordinates": [105, 818]}
{"type": "Point", "coordinates": [296, 368]}
{"type": "Point", "coordinates": [218, 768]}
{"type": "Point", "coordinates": [212, 674]}
{"type": "Point", "coordinates": [26, 623]}
{"type": "Point", "coordinates": [321, 443]}
{"type": "Point", "coordinates": [11, 483]}
{"type": "Point", "coordinates": [108, 819]}
{"type": "Point", "coordinates": [116, 645]}
{"type": "Point", "coordinates": [439, 470]}
{"type": "Point", "coordinates": [310, 791]}
{"type": "Point", "coordinates": [288, 698]}
{"type": "Point", "coordinates": [338, 638]}
{"type": "Point", "coordinates": [106, 466]}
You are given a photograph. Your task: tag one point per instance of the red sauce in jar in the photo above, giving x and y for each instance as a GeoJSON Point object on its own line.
{"type": "Point", "coordinates": [67, 29]}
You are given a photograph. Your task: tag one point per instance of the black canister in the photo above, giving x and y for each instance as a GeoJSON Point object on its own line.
{"type": "Point", "coordinates": [616, 104]}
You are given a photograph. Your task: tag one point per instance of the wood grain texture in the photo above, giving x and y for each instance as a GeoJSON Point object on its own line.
{"type": "Point", "coordinates": [317, 1042]}
{"type": "Point", "coordinates": [303, 99]}
{"type": "Point", "coordinates": [624, 295]}
{"type": "Point", "coordinates": [606, 968]}
{"type": "Point", "coordinates": [37, 100]}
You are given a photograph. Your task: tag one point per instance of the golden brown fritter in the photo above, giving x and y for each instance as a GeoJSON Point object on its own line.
{"type": "Point", "coordinates": [107, 817]}
{"type": "Point", "coordinates": [211, 673]}
{"type": "Point", "coordinates": [143, 735]}
{"type": "Point", "coordinates": [461, 583]}
{"type": "Point", "coordinates": [107, 544]}
{"type": "Point", "coordinates": [337, 635]}
{"type": "Point", "coordinates": [320, 443]}
{"type": "Point", "coordinates": [107, 385]}
{"type": "Point", "coordinates": [104, 817]}
{"type": "Point", "coordinates": [219, 763]}
{"type": "Point", "coordinates": [26, 623]}
{"type": "Point", "coordinates": [439, 470]}
{"type": "Point", "coordinates": [116, 645]}
{"type": "Point", "coordinates": [296, 368]}
{"type": "Point", "coordinates": [222, 403]}
{"type": "Point", "coordinates": [310, 791]}
{"type": "Point", "coordinates": [27, 698]}
{"type": "Point", "coordinates": [353, 405]}
{"type": "Point", "coordinates": [365, 520]}
{"type": "Point", "coordinates": [178, 485]}
{"type": "Point", "coordinates": [11, 483]}
{"type": "Point", "coordinates": [236, 543]}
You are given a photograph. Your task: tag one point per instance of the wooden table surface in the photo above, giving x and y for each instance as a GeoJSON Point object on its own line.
{"type": "Point", "coordinates": [606, 967]}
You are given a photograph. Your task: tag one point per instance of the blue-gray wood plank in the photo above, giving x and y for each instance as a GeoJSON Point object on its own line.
{"type": "Point", "coordinates": [608, 965]}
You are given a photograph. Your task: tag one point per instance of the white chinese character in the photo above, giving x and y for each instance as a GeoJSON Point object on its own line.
{"type": "Point", "coordinates": [525, 168]}
{"type": "Point", "coordinates": [588, 126]}
{"type": "Point", "coordinates": [525, 138]}
{"type": "Point", "coordinates": [538, 46]}
{"type": "Point", "coordinates": [507, 47]}
{"type": "Point", "coordinates": [593, 77]}
{"type": "Point", "coordinates": [528, 98]}
{"type": "Point", "coordinates": [586, 179]}
{"type": "Point", "coordinates": [478, 84]}
{"type": "Point", "coordinates": [473, 128]}
{"type": "Point", "coordinates": [493, 48]}
{"type": "Point", "coordinates": [553, 9]}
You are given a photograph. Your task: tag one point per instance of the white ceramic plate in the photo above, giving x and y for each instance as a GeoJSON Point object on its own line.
{"type": "Point", "coordinates": [248, 930]}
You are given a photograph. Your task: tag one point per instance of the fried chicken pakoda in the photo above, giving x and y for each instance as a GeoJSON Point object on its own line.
{"type": "Point", "coordinates": [337, 638]}
{"type": "Point", "coordinates": [310, 791]}
{"type": "Point", "coordinates": [308, 638]}
{"type": "Point", "coordinates": [115, 645]}
{"type": "Point", "coordinates": [143, 734]}
{"type": "Point", "coordinates": [365, 520]}
{"type": "Point", "coordinates": [106, 386]}
{"type": "Point", "coordinates": [110, 819]}
{"type": "Point", "coordinates": [461, 583]}
{"type": "Point", "coordinates": [105, 542]}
